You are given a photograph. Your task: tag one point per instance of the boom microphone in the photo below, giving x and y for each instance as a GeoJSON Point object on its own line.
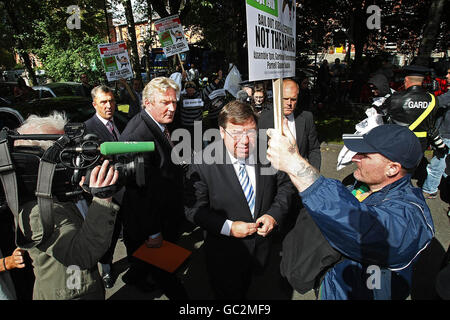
{"type": "Point", "coordinates": [109, 148]}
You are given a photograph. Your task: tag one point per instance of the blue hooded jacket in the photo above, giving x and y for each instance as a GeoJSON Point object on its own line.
{"type": "Point", "coordinates": [380, 237]}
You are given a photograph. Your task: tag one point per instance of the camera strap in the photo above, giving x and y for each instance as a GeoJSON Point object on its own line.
{"type": "Point", "coordinates": [46, 171]}
{"type": "Point", "coordinates": [9, 181]}
{"type": "Point", "coordinates": [44, 197]}
{"type": "Point", "coordinates": [8, 178]}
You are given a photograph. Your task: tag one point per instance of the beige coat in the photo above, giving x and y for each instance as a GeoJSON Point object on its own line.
{"type": "Point", "coordinates": [65, 265]}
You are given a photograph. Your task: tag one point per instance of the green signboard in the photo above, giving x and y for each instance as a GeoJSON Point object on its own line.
{"type": "Point", "coordinates": [268, 6]}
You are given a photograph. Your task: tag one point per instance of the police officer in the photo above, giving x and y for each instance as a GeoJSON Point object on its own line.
{"type": "Point", "coordinates": [415, 108]}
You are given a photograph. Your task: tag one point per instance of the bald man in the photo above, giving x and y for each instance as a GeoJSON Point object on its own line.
{"type": "Point", "coordinates": [301, 125]}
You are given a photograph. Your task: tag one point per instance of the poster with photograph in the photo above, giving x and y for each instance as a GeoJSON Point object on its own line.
{"type": "Point", "coordinates": [171, 35]}
{"type": "Point", "coordinates": [116, 61]}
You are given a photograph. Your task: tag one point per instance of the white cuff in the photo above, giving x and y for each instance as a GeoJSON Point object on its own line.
{"type": "Point", "coordinates": [226, 229]}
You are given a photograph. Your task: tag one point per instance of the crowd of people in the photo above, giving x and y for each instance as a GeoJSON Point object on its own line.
{"type": "Point", "coordinates": [381, 222]}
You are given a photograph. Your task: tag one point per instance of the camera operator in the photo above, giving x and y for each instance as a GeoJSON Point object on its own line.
{"type": "Point", "coordinates": [65, 264]}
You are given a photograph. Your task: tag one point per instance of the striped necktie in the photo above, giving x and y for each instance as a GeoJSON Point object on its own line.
{"type": "Point", "coordinates": [247, 187]}
{"type": "Point", "coordinates": [110, 126]}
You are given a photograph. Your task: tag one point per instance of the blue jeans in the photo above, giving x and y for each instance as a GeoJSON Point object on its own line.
{"type": "Point", "coordinates": [435, 170]}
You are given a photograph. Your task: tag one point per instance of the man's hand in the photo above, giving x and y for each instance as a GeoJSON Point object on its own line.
{"type": "Point", "coordinates": [102, 176]}
{"type": "Point", "coordinates": [268, 223]}
{"type": "Point", "coordinates": [282, 151]}
{"type": "Point", "coordinates": [283, 155]}
{"type": "Point", "coordinates": [240, 229]}
{"type": "Point", "coordinates": [15, 260]}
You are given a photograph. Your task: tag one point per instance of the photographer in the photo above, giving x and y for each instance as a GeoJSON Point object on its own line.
{"type": "Point", "coordinates": [65, 263]}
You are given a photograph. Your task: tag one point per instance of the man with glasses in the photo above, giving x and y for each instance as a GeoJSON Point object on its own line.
{"type": "Point", "coordinates": [259, 99]}
{"type": "Point", "coordinates": [236, 202]}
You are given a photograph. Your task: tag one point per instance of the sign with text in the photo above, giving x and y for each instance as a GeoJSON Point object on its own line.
{"type": "Point", "coordinates": [171, 35]}
{"type": "Point", "coordinates": [116, 60]}
{"type": "Point", "coordinates": [271, 39]}
{"type": "Point", "coordinates": [192, 103]}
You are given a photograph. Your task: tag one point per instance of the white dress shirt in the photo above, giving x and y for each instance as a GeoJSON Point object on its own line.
{"type": "Point", "coordinates": [291, 125]}
{"type": "Point", "coordinates": [104, 121]}
{"type": "Point", "coordinates": [250, 167]}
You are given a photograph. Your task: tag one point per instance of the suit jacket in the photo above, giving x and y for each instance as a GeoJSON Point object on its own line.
{"type": "Point", "coordinates": [307, 142]}
{"type": "Point", "coordinates": [94, 125]}
{"type": "Point", "coordinates": [214, 194]}
{"type": "Point", "coordinates": [157, 206]}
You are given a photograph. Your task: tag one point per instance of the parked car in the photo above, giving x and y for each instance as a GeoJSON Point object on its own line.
{"type": "Point", "coordinates": [58, 89]}
{"type": "Point", "coordinates": [7, 93]}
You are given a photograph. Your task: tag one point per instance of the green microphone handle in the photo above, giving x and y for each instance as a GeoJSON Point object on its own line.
{"type": "Point", "coordinates": [110, 148]}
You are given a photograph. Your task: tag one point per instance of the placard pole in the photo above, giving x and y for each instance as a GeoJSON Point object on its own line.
{"type": "Point", "coordinates": [277, 88]}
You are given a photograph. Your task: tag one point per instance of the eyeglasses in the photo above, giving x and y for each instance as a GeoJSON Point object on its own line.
{"type": "Point", "coordinates": [238, 135]}
{"type": "Point", "coordinates": [291, 99]}
{"type": "Point", "coordinates": [258, 98]}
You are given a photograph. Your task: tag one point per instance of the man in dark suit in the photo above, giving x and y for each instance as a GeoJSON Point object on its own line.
{"type": "Point", "coordinates": [102, 125]}
{"type": "Point", "coordinates": [154, 212]}
{"type": "Point", "coordinates": [237, 201]}
{"type": "Point", "coordinates": [301, 124]}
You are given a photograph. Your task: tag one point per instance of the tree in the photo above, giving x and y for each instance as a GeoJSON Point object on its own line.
{"type": "Point", "coordinates": [132, 34]}
{"type": "Point", "coordinates": [67, 53]}
{"type": "Point", "coordinates": [222, 25]}
{"type": "Point", "coordinates": [21, 34]}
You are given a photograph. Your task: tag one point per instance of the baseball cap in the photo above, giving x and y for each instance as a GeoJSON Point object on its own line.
{"type": "Point", "coordinates": [395, 142]}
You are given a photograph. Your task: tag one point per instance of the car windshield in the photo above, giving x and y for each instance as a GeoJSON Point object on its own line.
{"type": "Point", "coordinates": [62, 91]}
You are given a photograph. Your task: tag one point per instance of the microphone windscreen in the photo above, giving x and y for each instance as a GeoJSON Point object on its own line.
{"type": "Point", "coordinates": [109, 148]}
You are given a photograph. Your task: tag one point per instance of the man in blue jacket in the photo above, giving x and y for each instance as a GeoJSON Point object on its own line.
{"type": "Point", "coordinates": [380, 232]}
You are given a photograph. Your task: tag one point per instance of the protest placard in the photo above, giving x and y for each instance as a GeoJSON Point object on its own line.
{"type": "Point", "coordinates": [116, 60]}
{"type": "Point", "coordinates": [271, 39]}
{"type": "Point", "coordinates": [171, 35]}
{"type": "Point", "coordinates": [271, 46]}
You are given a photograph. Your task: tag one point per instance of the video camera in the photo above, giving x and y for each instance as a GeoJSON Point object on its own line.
{"type": "Point", "coordinates": [75, 155]}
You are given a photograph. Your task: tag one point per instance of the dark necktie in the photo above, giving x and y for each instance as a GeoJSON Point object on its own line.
{"type": "Point", "coordinates": [167, 134]}
{"type": "Point", "coordinates": [110, 126]}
